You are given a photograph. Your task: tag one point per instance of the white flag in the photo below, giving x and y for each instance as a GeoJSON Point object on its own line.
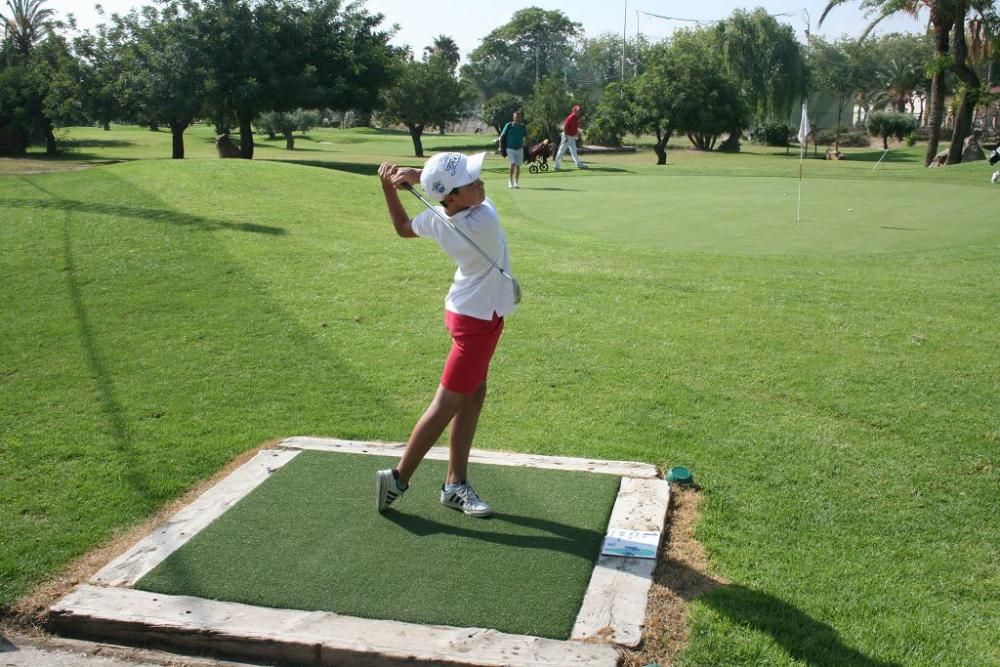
{"type": "Point", "coordinates": [804, 126]}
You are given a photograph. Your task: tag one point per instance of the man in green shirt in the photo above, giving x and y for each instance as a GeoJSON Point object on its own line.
{"type": "Point", "coordinates": [512, 147]}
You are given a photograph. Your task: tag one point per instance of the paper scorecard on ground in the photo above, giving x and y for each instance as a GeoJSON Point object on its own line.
{"type": "Point", "coordinates": [630, 543]}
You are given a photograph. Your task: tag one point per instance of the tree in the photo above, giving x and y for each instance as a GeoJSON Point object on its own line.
{"type": "Point", "coordinates": [522, 52]}
{"type": "Point", "coordinates": [603, 60]}
{"type": "Point", "coordinates": [101, 57]}
{"type": "Point", "coordinates": [499, 109]}
{"type": "Point", "coordinates": [35, 65]}
{"type": "Point", "coordinates": [287, 123]}
{"type": "Point", "coordinates": [425, 94]}
{"type": "Point", "coordinates": [446, 48]}
{"type": "Point", "coordinates": [970, 90]}
{"type": "Point", "coordinates": [767, 64]}
{"type": "Point", "coordinates": [942, 18]}
{"type": "Point", "coordinates": [834, 72]}
{"type": "Point", "coordinates": [902, 67]}
{"type": "Point", "coordinates": [546, 109]}
{"type": "Point", "coordinates": [155, 71]}
{"type": "Point", "coordinates": [272, 54]}
{"type": "Point", "coordinates": [25, 23]}
{"type": "Point", "coordinates": [683, 89]}
{"type": "Point", "coordinates": [887, 124]}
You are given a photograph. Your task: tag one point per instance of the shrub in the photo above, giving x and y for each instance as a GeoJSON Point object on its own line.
{"type": "Point", "coordinates": [887, 124]}
{"type": "Point", "coordinates": [848, 137]}
{"type": "Point", "coordinates": [603, 130]}
{"type": "Point", "coordinates": [772, 134]}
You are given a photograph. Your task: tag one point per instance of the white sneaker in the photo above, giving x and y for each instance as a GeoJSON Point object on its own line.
{"type": "Point", "coordinates": [465, 498]}
{"type": "Point", "coordinates": [386, 489]}
{"type": "Point", "coordinates": [996, 177]}
{"type": "Point", "coordinates": [517, 187]}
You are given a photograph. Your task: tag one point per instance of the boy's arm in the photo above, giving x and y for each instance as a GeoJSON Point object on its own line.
{"type": "Point", "coordinates": [394, 177]}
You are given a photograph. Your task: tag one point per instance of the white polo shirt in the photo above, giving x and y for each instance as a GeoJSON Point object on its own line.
{"type": "Point", "coordinates": [479, 289]}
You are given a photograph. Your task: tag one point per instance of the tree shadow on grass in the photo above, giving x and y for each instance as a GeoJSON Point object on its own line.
{"type": "Point", "coordinates": [579, 542]}
{"type": "Point", "coordinates": [804, 638]}
{"type": "Point", "coordinates": [348, 167]}
{"type": "Point", "coordinates": [894, 155]}
{"type": "Point", "coordinates": [151, 214]}
{"type": "Point", "coordinates": [73, 144]}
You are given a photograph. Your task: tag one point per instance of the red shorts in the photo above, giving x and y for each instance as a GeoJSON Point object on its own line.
{"type": "Point", "coordinates": [472, 344]}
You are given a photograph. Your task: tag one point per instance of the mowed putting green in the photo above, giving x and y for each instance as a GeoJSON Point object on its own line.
{"type": "Point", "coordinates": [309, 538]}
{"type": "Point", "coordinates": [757, 216]}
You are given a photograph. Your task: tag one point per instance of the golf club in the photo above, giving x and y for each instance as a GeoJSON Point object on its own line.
{"type": "Point", "coordinates": [433, 209]}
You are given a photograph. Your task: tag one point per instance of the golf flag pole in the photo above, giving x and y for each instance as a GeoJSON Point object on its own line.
{"type": "Point", "coordinates": [880, 159]}
{"type": "Point", "coordinates": [803, 138]}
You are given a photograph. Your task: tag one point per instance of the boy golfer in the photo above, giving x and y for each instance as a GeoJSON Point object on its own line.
{"type": "Point", "coordinates": [476, 304]}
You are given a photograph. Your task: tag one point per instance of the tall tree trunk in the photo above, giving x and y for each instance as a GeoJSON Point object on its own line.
{"type": "Point", "coordinates": [970, 96]}
{"type": "Point", "coordinates": [415, 132]}
{"type": "Point", "coordinates": [836, 130]}
{"type": "Point", "coordinates": [935, 116]}
{"type": "Point", "coordinates": [660, 147]}
{"type": "Point", "coordinates": [732, 142]}
{"type": "Point", "coordinates": [177, 135]}
{"type": "Point", "coordinates": [289, 141]}
{"type": "Point", "coordinates": [942, 28]}
{"type": "Point", "coordinates": [50, 138]}
{"type": "Point", "coordinates": [246, 135]}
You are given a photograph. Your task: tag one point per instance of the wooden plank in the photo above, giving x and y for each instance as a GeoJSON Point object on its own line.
{"type": "Point", "coordinates": [614, 606]}
{"type": "Point", "coordinates": [240, 631]}
{"type": "Point", "coordinates": [170, 536]}
{"type": "Point", "coordinates": [620, 468]}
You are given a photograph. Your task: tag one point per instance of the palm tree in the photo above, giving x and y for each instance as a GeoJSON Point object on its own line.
{"type": "Point", "coordinates": [443, 47]}
{"type": "Point", "coordinates": [900, 80]}
{"type": "Point", "coordinates": [26, 23]}
{"type": "Point", "coordinates": [942, 19]}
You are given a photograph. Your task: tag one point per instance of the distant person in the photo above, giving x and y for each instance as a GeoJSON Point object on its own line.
{"type": "Point", "coordinates": [475, 307]}
{"type": "Point", "coordinates": [512, 138]}
{"type": "Point", "coordinates": [570, 133]}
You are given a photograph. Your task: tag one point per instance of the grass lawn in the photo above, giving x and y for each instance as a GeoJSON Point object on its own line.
{"type": "Point", "coordinates": [832, 383]}
{"type": "Point", "coordinates": [307, 538]}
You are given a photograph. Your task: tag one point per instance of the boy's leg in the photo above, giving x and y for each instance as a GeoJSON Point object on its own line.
{"type": "Point", "coordinates": [456, 492]}
{"type": "Point", "coordinates": [430, 426]}
{"type": "Point", "coordinates": [463, 430]}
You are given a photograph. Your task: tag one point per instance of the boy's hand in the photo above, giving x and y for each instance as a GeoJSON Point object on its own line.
{"type": "Point", "coordinates": [406, 176]}
{"type": "Point", "coordinates": [386, 171]}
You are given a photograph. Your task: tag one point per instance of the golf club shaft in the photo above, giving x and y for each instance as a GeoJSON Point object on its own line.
{"type": "Point", "coordinates": [448, 222]}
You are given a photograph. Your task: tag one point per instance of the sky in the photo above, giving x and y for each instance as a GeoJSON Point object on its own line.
{"type": "Point", "coordinates": [468, 21]}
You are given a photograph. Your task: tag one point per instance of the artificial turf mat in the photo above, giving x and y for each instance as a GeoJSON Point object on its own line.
{"type": "Point", "coordinates": [310, 538]}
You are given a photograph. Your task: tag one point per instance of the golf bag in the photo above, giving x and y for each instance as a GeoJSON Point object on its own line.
{"type": "Point", "coordinates": [995, 155]}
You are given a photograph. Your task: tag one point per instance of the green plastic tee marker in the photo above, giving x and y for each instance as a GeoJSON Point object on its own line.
{"type": "Point", "coordinates": [680, 475]}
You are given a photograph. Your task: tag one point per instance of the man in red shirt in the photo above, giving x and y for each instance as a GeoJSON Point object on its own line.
{"type": "Point", "coordinates": [570, 133]}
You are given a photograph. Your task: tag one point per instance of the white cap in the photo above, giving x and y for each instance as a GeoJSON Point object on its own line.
{"type": "Point", "coordinates": [446, 171]}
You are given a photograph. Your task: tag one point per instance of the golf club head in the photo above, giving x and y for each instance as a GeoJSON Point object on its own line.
{"type": "Point", "coordinates": [517, 290]}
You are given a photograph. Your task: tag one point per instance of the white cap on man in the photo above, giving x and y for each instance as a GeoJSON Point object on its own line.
{"type": "Point", "coordinates": [446, 171]}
